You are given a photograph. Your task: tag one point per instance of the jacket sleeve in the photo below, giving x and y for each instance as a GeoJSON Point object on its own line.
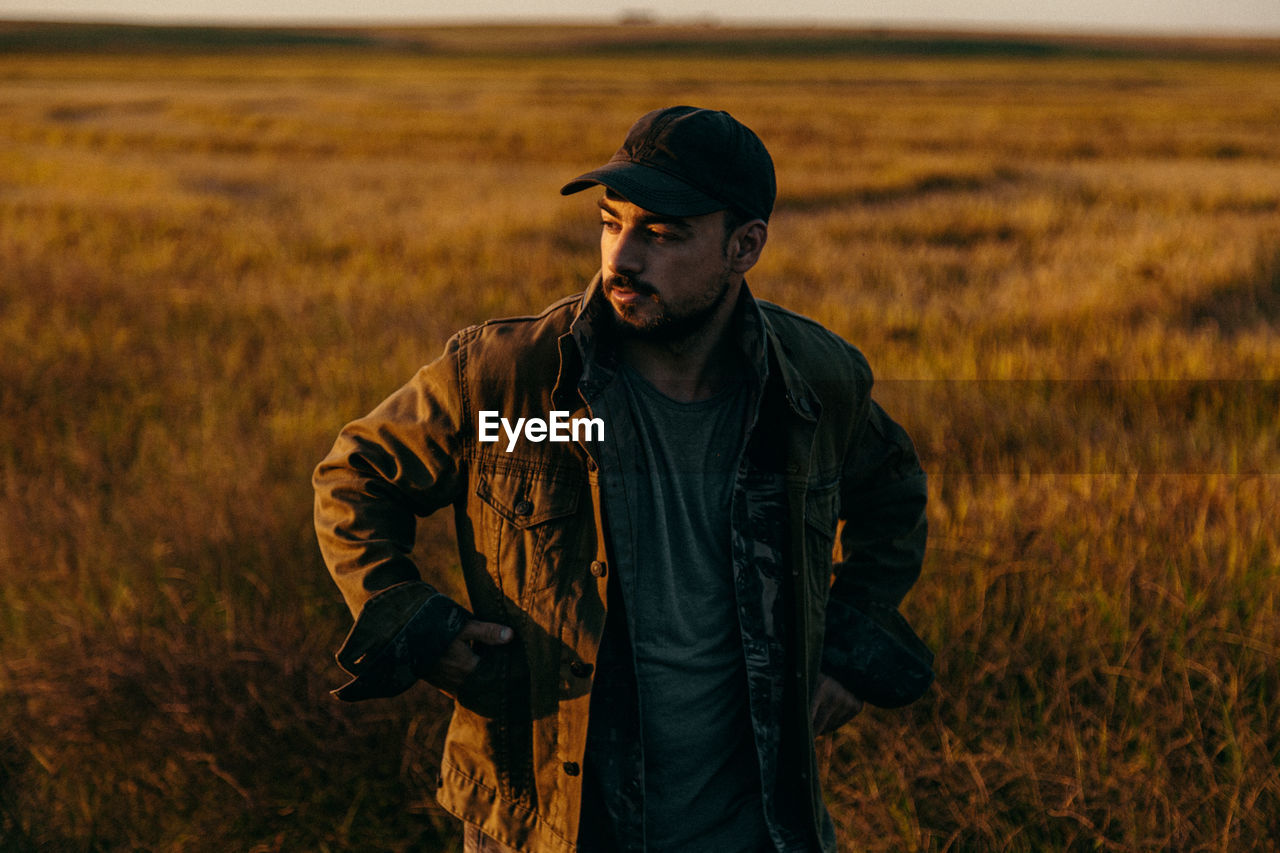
{"type": "Point", "coordinates": [868, 645]}
{"type": "Point", "coordinates": [401, 461]}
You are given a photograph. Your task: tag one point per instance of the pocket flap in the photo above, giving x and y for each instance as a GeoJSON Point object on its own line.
{"type": "Point", "coordinates": [527, 498]}
{"type": "Point", "coordinates": [822, 507]}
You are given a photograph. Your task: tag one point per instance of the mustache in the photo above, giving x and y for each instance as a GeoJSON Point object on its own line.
{"type": "Point", "coordinates": [627, 282]}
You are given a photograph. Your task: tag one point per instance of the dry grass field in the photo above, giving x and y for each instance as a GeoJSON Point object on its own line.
{"type": "Point", "coordinates": [1062, 257]}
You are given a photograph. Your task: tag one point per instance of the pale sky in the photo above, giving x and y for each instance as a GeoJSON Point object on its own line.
{"type": "Point", "coordinates": [1229, 17]}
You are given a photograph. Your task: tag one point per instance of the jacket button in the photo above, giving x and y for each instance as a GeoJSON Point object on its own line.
{"type": "Point", "coordinates": [581, 669]}
{"type": "Point", "coordinates": [598, 568]}
{"type": "Point", "coordinates": [571, 768]}
{"type": "Point", "coordinates": [524, 508]}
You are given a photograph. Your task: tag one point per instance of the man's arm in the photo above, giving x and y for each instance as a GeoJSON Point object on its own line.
{"type": "Point", "coordinates": [869, 650]}
{"type": "Point", "coordinates": [401, 461]}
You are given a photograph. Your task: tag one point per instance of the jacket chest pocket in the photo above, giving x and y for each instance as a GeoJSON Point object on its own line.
{"type": "Point", "coordinates": [529, 518]}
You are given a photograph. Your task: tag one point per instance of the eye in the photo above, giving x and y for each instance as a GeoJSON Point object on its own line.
{"type": "Point", "coordinates": [610, 226]}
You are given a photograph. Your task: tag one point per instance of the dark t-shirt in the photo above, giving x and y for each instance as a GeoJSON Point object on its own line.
{"type": "Point", "coordinates": [677, 462]}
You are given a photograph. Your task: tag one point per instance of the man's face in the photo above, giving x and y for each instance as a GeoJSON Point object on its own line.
{"type": "Point", "coordinates": [664, 276]}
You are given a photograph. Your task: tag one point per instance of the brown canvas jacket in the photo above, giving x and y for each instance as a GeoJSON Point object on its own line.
{"type": "Point", "coordinates": [822, 458]}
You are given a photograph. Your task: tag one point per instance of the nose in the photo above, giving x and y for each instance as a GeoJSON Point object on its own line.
{"type": "Point", "coordinates": [622, 252]}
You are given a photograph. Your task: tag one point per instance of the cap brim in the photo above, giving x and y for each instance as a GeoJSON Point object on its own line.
{"type": "Point", "coordinates": [654, 190]}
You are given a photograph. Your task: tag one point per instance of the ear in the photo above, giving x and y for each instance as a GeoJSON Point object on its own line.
{"type": "Point", "coordinates": [746, 244]}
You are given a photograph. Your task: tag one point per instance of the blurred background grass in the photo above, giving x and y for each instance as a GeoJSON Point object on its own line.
{"type": "Point", "coordinates": [1062, 257]}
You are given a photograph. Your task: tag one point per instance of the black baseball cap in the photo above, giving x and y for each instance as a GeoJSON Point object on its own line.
{"type": "Point", "coordinates": [686, 161]}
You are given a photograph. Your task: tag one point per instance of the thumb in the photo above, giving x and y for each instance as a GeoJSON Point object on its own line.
{"type": "Point", "coordinates": [489, 633]}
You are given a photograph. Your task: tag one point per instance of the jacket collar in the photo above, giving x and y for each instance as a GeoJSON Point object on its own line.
{"type": "Point", "coordinates": [800, 397]}
{"type": "Point", "coordinates": [588, 360]}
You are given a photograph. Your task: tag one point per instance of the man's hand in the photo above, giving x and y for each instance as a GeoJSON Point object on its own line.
{"type": "Point", "coordinates": [832, 705]}
{"type": "Point", "coordinates": [459, 659]}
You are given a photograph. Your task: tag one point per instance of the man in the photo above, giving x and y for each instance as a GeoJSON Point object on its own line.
{"type": "Point", "coordinates": [654, 635]}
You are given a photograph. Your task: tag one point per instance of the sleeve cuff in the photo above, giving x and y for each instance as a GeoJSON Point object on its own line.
{"type": "Point", "coordinates": [872, 651]}
{"type": "Point", "coordinates": [399, 633]}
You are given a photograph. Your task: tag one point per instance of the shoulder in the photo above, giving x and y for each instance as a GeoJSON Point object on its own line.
{"type": "Point", "coordinates": [503, 340]}
{"type": "Point", "coordinates": [813, 349]}
{"type": "Point", "coordinates": [512, 364]}
{"type": "Point", "coordinates": [522, 331]}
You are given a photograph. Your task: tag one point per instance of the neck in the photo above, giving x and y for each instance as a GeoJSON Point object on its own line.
{"type": "Point", "coordinates": [690, 368]}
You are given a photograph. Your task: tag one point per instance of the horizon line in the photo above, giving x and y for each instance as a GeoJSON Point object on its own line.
{"type": "Point", "coordinates": [708, 21]}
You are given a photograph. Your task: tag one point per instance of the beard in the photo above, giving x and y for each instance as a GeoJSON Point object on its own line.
{"type": "Point", "coordinates": [665, 325]}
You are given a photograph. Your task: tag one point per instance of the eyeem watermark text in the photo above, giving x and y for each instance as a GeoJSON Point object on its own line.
{"type": "Point", "coordinates": [559, 427]}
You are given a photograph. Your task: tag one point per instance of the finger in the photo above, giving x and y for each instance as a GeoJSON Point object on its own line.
{"type": "Point", "coordinates": [453, 666]}
{"type": "Point", "coordinates": [848, 708]}
{"type": "Point", "coordinates": [816, 701]}
{"type": "Point", "coordinates": [822, 696]}
{"type": "Point", "coordinates": [459, 656]}
{"type": "Point", "coordinates": [820, 722]}
{"type": "Point", "coordinates": [820, 710]}
{"type": "Point", "coordinates": [833, 706]}
{"type": "Point", "coordinates": [489, 633]}
{"type": "Point", "coordinates": [831, 717]}
{"type": "Point", "coordinates": [837, 715]}
{"type": "Point", "coordinates": [815, 707]}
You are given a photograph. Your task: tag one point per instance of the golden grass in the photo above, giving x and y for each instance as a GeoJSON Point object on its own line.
{"type": "Point", "coordinates": [1065, 269]}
